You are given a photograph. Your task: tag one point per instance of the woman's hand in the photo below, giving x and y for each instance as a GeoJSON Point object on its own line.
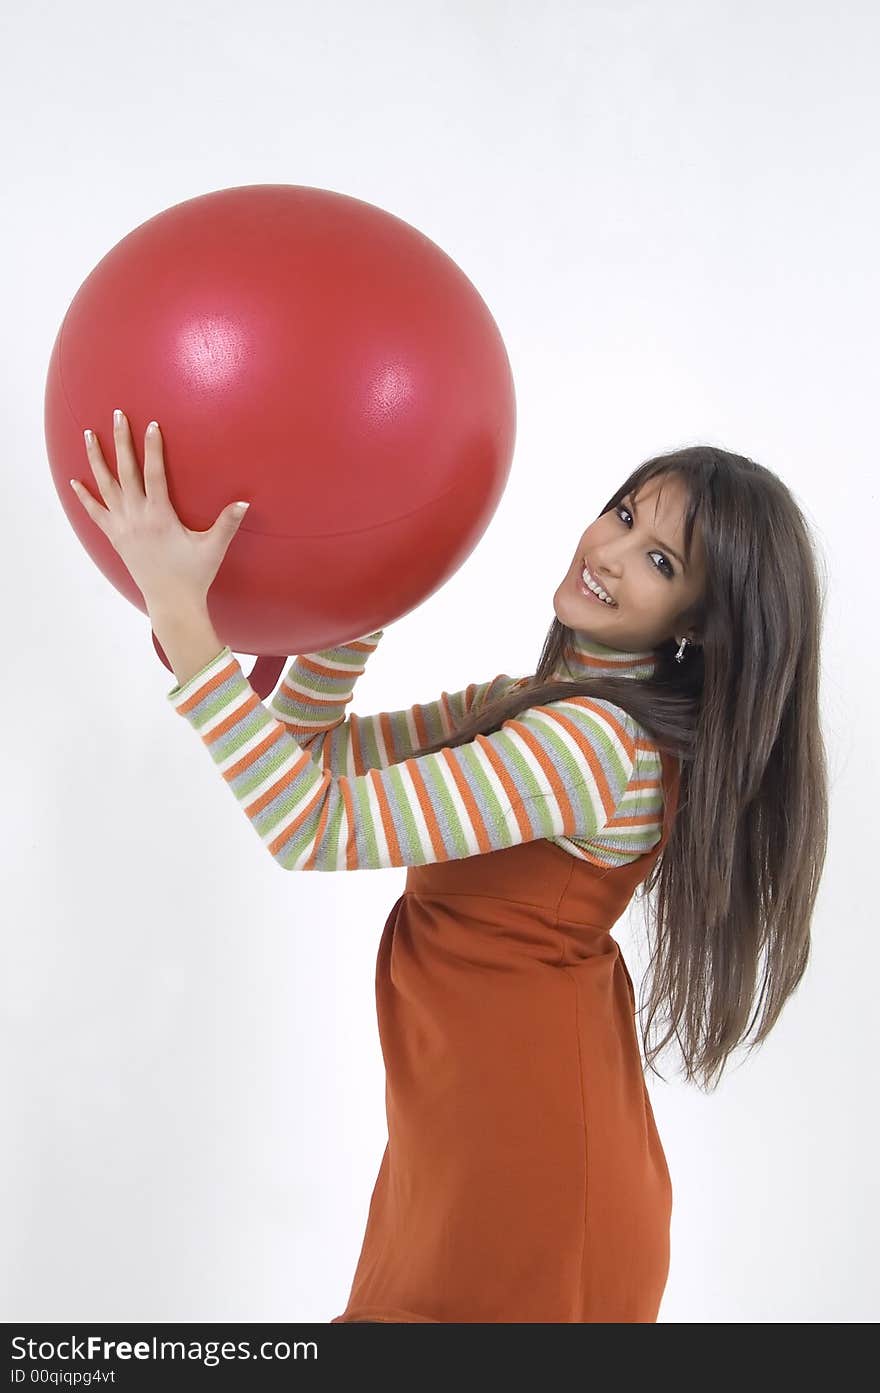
{"type": "Point", "coordinates": [166, 560]}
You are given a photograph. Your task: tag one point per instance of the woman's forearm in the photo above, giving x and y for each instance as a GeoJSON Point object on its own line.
{"type": "Point", "coordinates": [188, 638]}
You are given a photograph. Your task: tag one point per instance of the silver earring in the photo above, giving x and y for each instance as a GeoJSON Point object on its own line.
{"type": "Point", "coordinates": [679, 657]}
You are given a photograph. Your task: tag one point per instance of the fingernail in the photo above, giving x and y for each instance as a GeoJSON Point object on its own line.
{"type": "Point", "coordinates": [242, 506]}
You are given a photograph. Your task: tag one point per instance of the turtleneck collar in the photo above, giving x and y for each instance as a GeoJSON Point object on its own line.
{"type": "Point", "coordinates": [584, 656]}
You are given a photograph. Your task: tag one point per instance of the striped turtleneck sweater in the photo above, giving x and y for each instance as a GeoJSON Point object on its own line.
{"type": "Point", "coordinates": [326, 793]}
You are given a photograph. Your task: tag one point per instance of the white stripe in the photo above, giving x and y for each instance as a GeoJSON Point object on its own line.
{"type": "Point", "coordinates": [344, 834]}
{"type": "Point", "coordinates": [337, 665]}
{"type": "Point", "coordinates": [445, 777]}
{"type": "Point", "coordinates": [349, 755]}
{"type": "Point", "coordinates": [467, 828]}
{"type": "Point", "coordinates": [378, 824]}
{"type": "Point", "coordinates": [589, 719]}
{"type": "Point", "coordinates": [236, 703]}
{"type": "Point", "coordinates": [370, 724]}
{"type": "Point", "coordinates": [274, 776]}
{"type": "Point", "coordinates": [638, 802]}
{"type": "Point", "coordinates": [363, 723]}
{"type": "Point", "coordinates": [217, 666]}
{"type": "Point", "coordinates": [340, 863]}
{"type": "Point", "coordinates": [592, 788]}
{"type": "Point", "coordinates": [545, 789]}
{"type": "Point", "coordinates": [415, 811]}
{"type": "Point", "coordinates": [576, 850]}
{"type": "Point", "coordinates": [307, 805]}
{"type": "Point", "coordinates": [310, 727]}
{"type": "Point", "coordinates": [303, 686]}
{"type": "Point", "coordinates": [508, 816]}
{"type": "Point", "coordinates": [411, 729]}
{"type": "Point", "coordinates": [541, 779]}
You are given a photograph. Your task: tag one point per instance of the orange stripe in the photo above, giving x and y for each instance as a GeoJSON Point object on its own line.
{"type": "Point", "coordinates": [592, 759]}
{"type": "Point", "coordinates": [357, 744]}
{"type": "Point", "coordinates": [421, 727]}
{"type": "Point", "coordinates": [248, 760]}
{"type": "Point", "coordinates": [311, 860]}
{"type": "Point", "coordinates": [508, 783]}
{"type": "Point", "coordinates": [634, 820]}
{"type": "Point", "coordinates": [283, 780]}
{"type": "Point", "coordinates": [351, 860]}
{"type": "Point", "coordinates": [388, 736]}
{"type": "Point", "coordinates": [588, 660]}
{"type": "Point", "coordinates": [437, 844]}
{"type": "Point", "coordinates": [293, 828]}
{"type": "Point", "coordinates": [585, 745]}
{"type": "Point", "coordinates": [290, 831]}
{"type": "Point", "coordinates": [610, 864]}
{"type": "Point", "coordinates": [232, 720]}
{"type": "Point", "coordinates": [446, 712]}
{"type": "Point", "coordinates": [279, 785]}
{"type": "Point", "coordinates": [387, 820]}
{"type": "Point", "coordinates": [543, 758]}
{"type": "Point", "coordinates": [206, 687]}
{"type": "Point", "coordinates": [309, 700]}
{"type": "Point", "coordinates": [609, 718]}
{"type": "Point", "coordinates": [474, 815]}
{"type": "Point", "coordinates": [335, 674]}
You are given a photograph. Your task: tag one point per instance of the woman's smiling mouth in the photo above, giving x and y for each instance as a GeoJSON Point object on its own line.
{"type": "Point", "coordinates": [585, 576]}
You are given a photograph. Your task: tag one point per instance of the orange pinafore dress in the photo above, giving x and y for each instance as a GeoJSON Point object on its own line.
{"type": "Point", "coordinates": [523, 1178]}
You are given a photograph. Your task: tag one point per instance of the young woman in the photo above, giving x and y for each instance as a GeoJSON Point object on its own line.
{"type": "Point", "coordinates": [668, 738]}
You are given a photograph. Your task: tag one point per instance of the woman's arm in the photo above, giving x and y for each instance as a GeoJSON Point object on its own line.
{"type": "Point", "coordinates": [558, 770]}
{"type": "Point", "coordinates": [311, 700]}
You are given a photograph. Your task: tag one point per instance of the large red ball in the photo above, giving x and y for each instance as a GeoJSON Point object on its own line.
{"type": "Point", "coordinates": [312, 354]}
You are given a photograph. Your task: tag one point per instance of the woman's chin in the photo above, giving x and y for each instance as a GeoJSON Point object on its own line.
{"type": "Point", "coordinates": [571, 613]}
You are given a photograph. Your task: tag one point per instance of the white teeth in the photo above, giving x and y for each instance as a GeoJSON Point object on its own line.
{"type": "Point", "coordinates": [595, 587]}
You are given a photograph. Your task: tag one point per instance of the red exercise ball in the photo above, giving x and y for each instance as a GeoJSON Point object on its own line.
{"type": "Point", "coordinates": [317, 356]}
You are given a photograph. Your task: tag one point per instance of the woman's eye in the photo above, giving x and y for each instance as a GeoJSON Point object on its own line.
{"type": "Point", "coordinates": [670, 571]}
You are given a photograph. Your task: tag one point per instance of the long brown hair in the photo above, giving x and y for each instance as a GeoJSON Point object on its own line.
{"type": "Point", "coordinates": [738, 878]}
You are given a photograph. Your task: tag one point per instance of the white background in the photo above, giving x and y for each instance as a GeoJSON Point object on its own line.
{"type": "Point", "coordinates": [672, 212]}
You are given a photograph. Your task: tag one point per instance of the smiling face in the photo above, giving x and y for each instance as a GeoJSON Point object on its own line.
{"type": "Point", "coordinates": [636, 553]}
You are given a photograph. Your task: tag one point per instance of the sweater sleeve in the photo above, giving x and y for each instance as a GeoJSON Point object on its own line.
{"type": "Point", "coordinates": [555, 770]}
{"type": "Point", "coordinates": [311, 700]}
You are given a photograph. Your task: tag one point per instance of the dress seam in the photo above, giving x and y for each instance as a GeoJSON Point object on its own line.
{"type": "Point", "coordinates": [480, 895]}
{"type": "Point", "coordinates": [577, 1034]}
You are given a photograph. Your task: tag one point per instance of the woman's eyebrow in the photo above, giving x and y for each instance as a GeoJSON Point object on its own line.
{"type": "Point", "coordinates": [665, 545]}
